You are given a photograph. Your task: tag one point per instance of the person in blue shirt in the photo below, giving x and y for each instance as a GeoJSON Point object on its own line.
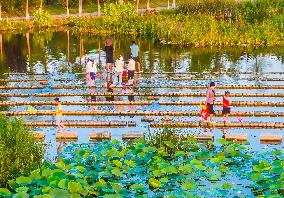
{"type": "Point", "coordinates": [135, 50]}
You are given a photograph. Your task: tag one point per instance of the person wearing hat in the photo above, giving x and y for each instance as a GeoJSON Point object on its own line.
{"type": "Point", "coordinates": [119, 67]}
{"type": "Point", "coordinates": [226, 106]}
{"type": "Point", "coordinates": [58, 114]}
{"type": "Point", "coordinates": [210, 98]}
{"type": "Point", "coordinates": [109, 55]}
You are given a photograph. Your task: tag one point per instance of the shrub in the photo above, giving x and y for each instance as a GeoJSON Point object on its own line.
{"type": "Point", "coordinates": [19, 153]}
{"type": "Point", "coordinates": [42, 18]}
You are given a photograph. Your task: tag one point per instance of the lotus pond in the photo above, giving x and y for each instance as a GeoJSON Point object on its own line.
{"type": "Point", "coordinates": [161, 168]}
{"type": "Point", "coordinates": [139, 169]}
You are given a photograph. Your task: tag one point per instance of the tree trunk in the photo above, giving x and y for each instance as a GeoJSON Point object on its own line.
{"type": "Point", "coordinates": [0, 11]}
{"type": "Point", "coordinates": [1, 47]}
{"type": "Point", "coordinates": [40, 6]}
{"type": "Point", "coordinates": [148, 4]}
{"type": "Point", "coordinates": [29, 50]}
{"type": "Point", "coordinates": [137, 6]}
{"type": "Point", "coordinates": [67, 8]}
{"type": "Point", "coordinates": [27, 10]}
{"type": "Point", "coordinates": [174, 4]}
{"type": "Point", "coordinates": [99, 9]}
{"type": "Point", "coordinates": [168, 4]}
{"type": "Point", "coordinates": [80, 7]}
{"type": "Point", "coordinates": [120, 2]}
{"type": "Point", "coordinates": [68, 48]}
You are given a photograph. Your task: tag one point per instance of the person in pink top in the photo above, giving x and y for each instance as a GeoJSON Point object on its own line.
{"type": "Point", "coordinates": [210, 98]}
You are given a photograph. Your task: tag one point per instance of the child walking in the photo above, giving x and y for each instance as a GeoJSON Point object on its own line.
{"type": "Point", "coordinates": [58, 115]}
{"type": "Point", "coordinates": [226, 106]}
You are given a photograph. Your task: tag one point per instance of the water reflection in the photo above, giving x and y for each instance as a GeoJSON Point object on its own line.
{"type": "Point", "coordinates": [63, 52]}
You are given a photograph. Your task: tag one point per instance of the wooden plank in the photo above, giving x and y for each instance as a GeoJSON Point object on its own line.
{"type": "Point", "coordinates": [204, 137]}
{"type": "Point", "coordinates": [131, 136]}
{"type": "Point", "coordinates": [67, 136]}
{"type": "Point", "coordinates": [270, 139]}
{"type": "Point", "coordinates": [238, 137]}
{"type": "Point", "coordinates": [99, 136]}
{"type": "Point", "coordinates": [39, 136]}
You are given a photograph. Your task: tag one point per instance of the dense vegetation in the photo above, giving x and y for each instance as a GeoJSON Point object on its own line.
{"type": "Point", "coordinates": [19, 153]}
{"type": "Point", "coordinates": [138, 169]}
{"type": "Point", "coordinates": [207, 23]}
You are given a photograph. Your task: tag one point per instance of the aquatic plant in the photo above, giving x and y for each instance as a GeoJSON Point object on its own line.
{"type": "Point", "coordinates": [19, 152]}
{"type": "Point", "coordinates": [117, 169]}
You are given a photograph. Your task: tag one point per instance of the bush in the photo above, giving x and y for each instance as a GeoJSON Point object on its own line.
{"type": "Point", "coordinates": [42, 18]}
{"type": "Point", "coordinates": [19, 153]}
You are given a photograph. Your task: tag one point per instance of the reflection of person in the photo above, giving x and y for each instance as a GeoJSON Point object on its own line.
{"type": "Point", "coordinates": [226, 106]}
{"type": "Point", "coordinates": [109, 54]}
{"type": "Point", "coordinates": [109, 90]}
{"type": "Point", "coordinates": [93, 70]}
{"type": "Point", "coordinates": [131, 99]}
{"type": "Point", "coordinates": [210, 98]}
{"type": "Point", "coordinates": [58, 114]}
{"type": "Point", "coordinates": [88, 66]}
{"type": "Point", "coordinates": [119, 67]}
{"type": "Point", "coordinates": [135, 54]}
{"type": "Point", "coordinates": [131, 70]}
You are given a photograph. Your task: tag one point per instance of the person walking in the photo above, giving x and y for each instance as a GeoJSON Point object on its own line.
{"type": "Point", "coordinates": [135, 50]}
{"type": "Point", "coordinates": [131, 70]}
{"type": "Point", "coordinates": [119, 67]}
{"type": "Point", "coordinates": [210, 98]}
{"type": "Point", "coordinates": [58, 114]}
{"type": "Point", "coordinates": [109, 56]}
{"type": "Point", "coordinates": [226, 106]}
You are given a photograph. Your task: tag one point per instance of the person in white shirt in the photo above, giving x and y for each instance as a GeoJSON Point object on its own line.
{"type": "Point", "coordinates": [119, 67]}
{"type": "Point", "coordinates": [88, 66]}
{"type": "Point", "coordinates": [93, 70]}
{"type": "Point", "coordinates": [131, 69]}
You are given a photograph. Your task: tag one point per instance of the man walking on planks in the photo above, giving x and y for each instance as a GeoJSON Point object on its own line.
{"type": "Point", "coordinates": [58, 115]}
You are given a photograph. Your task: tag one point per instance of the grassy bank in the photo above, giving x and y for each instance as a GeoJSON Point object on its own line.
{"type": "Point", "coordinates": [234, 25]}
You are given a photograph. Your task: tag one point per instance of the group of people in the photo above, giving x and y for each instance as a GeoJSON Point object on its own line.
{"type": "Point", "coordinates": [124, 73]}
{"type": "Point", "coordinates": [208, 109]}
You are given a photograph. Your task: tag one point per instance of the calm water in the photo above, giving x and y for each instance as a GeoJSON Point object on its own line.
{"type": "Point", "coordinates": [63, 56]}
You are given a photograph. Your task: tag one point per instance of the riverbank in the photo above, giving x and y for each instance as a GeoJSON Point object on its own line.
{"type": "Point", "coordinates": [176, 27]}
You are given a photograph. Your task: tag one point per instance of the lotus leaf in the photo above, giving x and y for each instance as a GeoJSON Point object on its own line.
{"type": "Point", "coordinates": [115, 171]}
{"type": "Point", "coordinates": [43, 196]}
{"type": "Point", "coordinates": [81, 169]}
{"type": "Point", "coordinates": [23, 180]}
{"type": "Point", "coordinates": [5, 192]}
{"type": "Point", "coordinates": [138, 187]}
{"type": "Point", "coordinates": [22, 189]}
{"type": "Point", "coordinates": [155, 183]}
{"type": "Point", "coordinates": [59, 193]}
{"type": "Point", "coordinates": [117, 163]}
{"type": "Point", "coordinates": [63, 184]}
{"type": "Point", "coordinates": [227, 186]}
{"type": "Point", "coordinates": [21, 195]}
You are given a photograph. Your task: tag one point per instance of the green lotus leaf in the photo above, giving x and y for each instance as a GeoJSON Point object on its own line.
{"type": "Point", "coordinates": [43, 196]}
{"type": "Point", "coordinates": [113, 196]}
{"type": "Point", "coordinates": [180, 153]}
{"type": "Point", "coordinates": [22, 189]}
{"type": "Point", "coordinates": [61, 165]}
{"type": "Point", "coordinates": [5, 192]}
{"type": "Point", "coordinates": [155, 183]}
{"type": "Point", "coordinates": [75, 187]}
{"type": "Point", "coordinates": [81, 169]}
{"type": "Point", "coordinates": [46, 172]}
{"type": "Point", "coordinates": [35, 175]}
{"type": "Point", "coordinates": [59, 193]}
{"type": "Point", "coordinates": [223, 168]}
{"type": "Point", "coordinates": [138, 187]}
{"type": "Point", "coordinates": [256, 176]}
{"type": "Point", "coordinates": [141, 155]}
{"type": "Point", "coordinates": [46, 189]}
{"type": "Point", "coordinates": [164, 180]}
{"type": "Point", "coordinates": [195, 162]}
{"type": "Point", "coordinates": [149, 149]}
{"type": "Point", "coordinates": [23, 180]}
{"type": "Point", "coordinates": [117, 187]}
{"type": "Point", "coordinates": [115, 171]}
{"type": "Point", "coordinates": [227, 186]}
{"type": "Point", "coordinates": [13, 184]}
{"type": "Point", "coordinates": [169, 144]}
{"type": "Point", "coordinates": [20, 195]}
{"type": "Point", "coordinates": [188, 186]}
{"type": "Point", "coordinates": [157, 173]}
{"type": "Point", "coordinates": [117, 163]}
{"type": "Point", "coordinates": [75, 195]}
{"type": "Point", "coordinates": [130, 163]}
{"type": "Point", "coordinates": [63, 184]}
{"type": "Point", "coordinates": [186, 169]}
{"type": "Point", "coordinates": [222, 141]}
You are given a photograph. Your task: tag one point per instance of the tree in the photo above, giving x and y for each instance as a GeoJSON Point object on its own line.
{"type": "Point", "coordinates": [67, 8]}
{"type": "Point", "coordinates": [99, 8]}
{"type": "Point", "coordinates": [80, 7]}
{"type": "Point", "coordinates": [27, 10]}
{"type": "Point", "coordinates": [137, 6]}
